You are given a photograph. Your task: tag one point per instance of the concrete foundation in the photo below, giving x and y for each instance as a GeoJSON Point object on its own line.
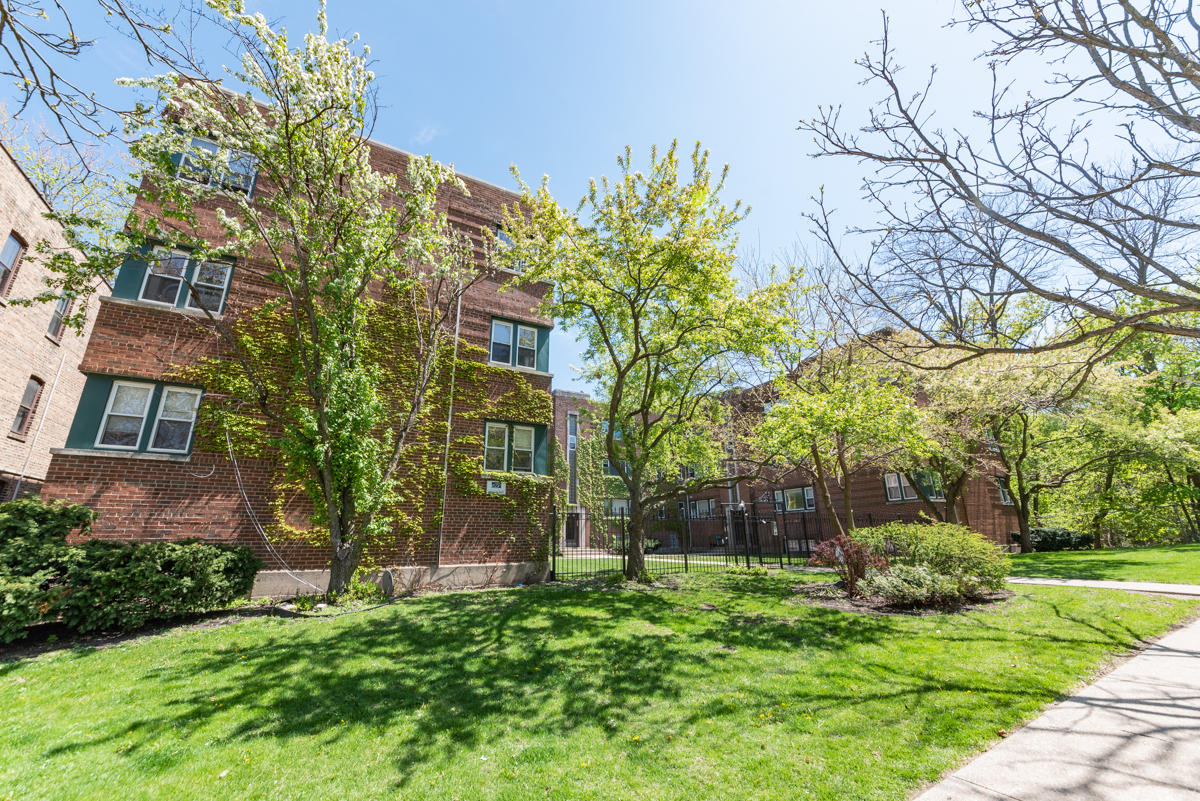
{"type": "Point", "coordinates": [282, 584]}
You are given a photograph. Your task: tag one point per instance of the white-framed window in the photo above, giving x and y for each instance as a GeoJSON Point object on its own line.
{"type": "Point", "coordinates": [931, 484]}
{"type": "Point", "coordinates": [522, 449]}
{"type": "Point", "coordinates": [10, 257]}
{"type": "Point", "coordinates": [526, 347]}
{"type": "Point", "coordinates": [617, 506]}
{"type": "Point", "coordinates": [1005, 495]}
{"type": "Point", "coordinates": [61, 310]}
{"type": "Point", "coordinates": [176, 419]}
{"type": "Point", "coordinates": [898, 488]}
{"type": "Point", "coordinates": [502, 341]}
{"type": "Point", "coordinates": [504, 241]}
{"type": "Point", "coordinates": [164, 277]}
{"type": "Point", "coordinates": [573, 458]}
{"type": "Point", "coordinates": [124, 416]}
{"type": "Point", "coordinates": [495, 447]}
{"type": "Point", "coordinates": [799, 499]}
{"type": "Point", "coordinates": [210, 283]}
{"type": "Point", "coordinates": [237, 177]}
{"type": "Point", "coordinates": [704, 508]}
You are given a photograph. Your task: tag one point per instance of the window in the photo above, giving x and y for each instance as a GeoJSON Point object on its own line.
{"type": "Point", "coordinates": [930, 484]}
{"type": "Point", "coordinates": [572, 459]}
{"type": "Point", "coordinates": [898, 488]}
{"type": "Point", "coordinates": [124, 416]}
{"type": "Point", "coordinates": [10, 257]}
{"type": "Point", "coordinates": [522, 449]}
{"type": "Point", "coordinates": [617, 507]}
{"type": "Point", "coordinates": [212, 278]}
{"type": "Point", "coordinates": [604, 428]}
{"type": "Point", "coordinates": [165, 276]}
{"type": "Point", "coordinates": [704, 508]}
{"type": "Point", "coordinates": [1005, 495]}
{"type": "Point", "coordinates": [800, 499]}
{"type": "Point", "coordinates": [176, 418]}
{"type": "Point", "coordinates": [504, 241]}
{"type": "Point", "coordinates": [501, 342]}
{"type": "Point", "coordinates": [61, 310]}
{"type": "Point", "coordinates": [28, 405]}
{"type": "Point", "coordinates": [527, 347]}
{"type": "Point", "coordinates": [238, 176]}
{"type": "Point", "coordinates": [495, 447]}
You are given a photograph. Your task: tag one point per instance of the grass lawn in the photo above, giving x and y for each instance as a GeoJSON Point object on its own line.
{"type": "Point", "coordinates": [1175, 564]}
{"type": "Point", "coordinates": [553, 692]}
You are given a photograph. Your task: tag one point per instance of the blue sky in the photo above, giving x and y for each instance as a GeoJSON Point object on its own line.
{"type": "Point", "coordinates": [560, 88]}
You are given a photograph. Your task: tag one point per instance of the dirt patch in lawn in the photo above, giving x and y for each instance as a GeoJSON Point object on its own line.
{"type": "Point", "coordinates": [831, 596]}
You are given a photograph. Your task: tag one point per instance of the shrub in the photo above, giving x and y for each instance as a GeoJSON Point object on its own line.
{"type": "Point", "coordinates": [124, 585]}
{"type": "Point", "coordinates": [945, 548]}
{"type": "Point", "coordinates": [21, 602]}
{"type": "Point", "coordinates": [850, 559]}
{"type": "Point", "coordinates": [359, 591]}
{"type": "Point", "coordinates": [909, 585]}
{"type": "Point", "coordinates": [1045, 540]}
{"type": "Point", "coordinates": [103, 584]}
{"type": "Point", "coordinates": [650, 545]}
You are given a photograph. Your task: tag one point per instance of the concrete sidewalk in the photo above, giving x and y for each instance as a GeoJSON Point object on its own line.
{"type": "Point", "coordinates": [1134, 735]}
{"type": "Point", "coordinates": [1132, 586]}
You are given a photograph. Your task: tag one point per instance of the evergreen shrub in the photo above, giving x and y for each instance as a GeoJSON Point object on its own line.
{"type": "Point", "coordinates": [101, 584]}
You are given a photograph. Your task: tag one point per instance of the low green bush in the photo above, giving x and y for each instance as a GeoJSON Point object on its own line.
{"type": "Point", "coordinates": [913, 585]}
{"type": "Point", "coordinates": [1045, 540]}
{"type": "Point", "coordinates": [101, 584]}
{"type": "Point", "coordinates": [945, 548]}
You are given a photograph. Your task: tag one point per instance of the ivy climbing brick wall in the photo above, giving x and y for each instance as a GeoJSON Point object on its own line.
{"type": "Point", "coordinates": [208, 495]}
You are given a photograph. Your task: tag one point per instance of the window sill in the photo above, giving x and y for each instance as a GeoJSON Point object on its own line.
{"type": "Point", "coordinates": [517, 369]}
{"type": "Point", "coordinates": [16, 436]}
{"type": "Point", "coordinates": [496, 475]}
{"type": "Point", "coordinates": [105, 454]}
{"type": "Point", "coordinates": [53, 339]}
{"type": "Point", "coordinates": [3, 302]}
{"type": "Point", "coordinates": [162, 307]}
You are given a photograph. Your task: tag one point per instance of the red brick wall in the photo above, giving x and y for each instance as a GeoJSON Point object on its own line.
{"type": "Point", "coordinates": [148, 497]}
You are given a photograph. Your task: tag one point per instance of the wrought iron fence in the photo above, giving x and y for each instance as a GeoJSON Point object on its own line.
{"type": "Point", "coordinates": [588, 546]}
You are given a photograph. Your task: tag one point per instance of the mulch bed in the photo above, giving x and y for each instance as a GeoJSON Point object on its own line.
{"type": "Point", "coordinates": [832, 596]}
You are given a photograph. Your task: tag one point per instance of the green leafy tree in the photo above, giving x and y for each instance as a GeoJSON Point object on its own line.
{"type": "Point", "coordinates": [335, 364]}
{"type": "Point", "coordinates": [642, 269]}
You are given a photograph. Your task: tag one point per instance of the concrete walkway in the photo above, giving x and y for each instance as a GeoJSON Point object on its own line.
{"type": "Point", "coordinates": [1132, 586]}
{"type": "Point", "coordinates": [1134, 735]}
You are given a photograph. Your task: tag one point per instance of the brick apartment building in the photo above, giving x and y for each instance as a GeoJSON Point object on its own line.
{"type": "Point", "coordinates": [40, 384]}
{"type": "Point", "coordinates": [132, 452]}
{"type": "Point", "coordinates": [789, 498]}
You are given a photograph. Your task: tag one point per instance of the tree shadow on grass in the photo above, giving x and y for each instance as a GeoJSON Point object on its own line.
{"type": "Point", "coordinates": [447, 672]}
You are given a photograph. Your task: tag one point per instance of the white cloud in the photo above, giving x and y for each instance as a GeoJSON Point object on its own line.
{"type": "Point", "coordinates": [426, 134]}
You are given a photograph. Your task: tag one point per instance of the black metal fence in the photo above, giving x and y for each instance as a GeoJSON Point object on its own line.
{"type": "Point", "coordinates": [588, 546]}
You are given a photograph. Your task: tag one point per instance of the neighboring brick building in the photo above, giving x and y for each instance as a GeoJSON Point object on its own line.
{"type": "Point", "coordinates": [40, 382]}
{"type": "Point", "coordinates": [793, 500]}
{"type": "Point", "coordinates": [133, 455]}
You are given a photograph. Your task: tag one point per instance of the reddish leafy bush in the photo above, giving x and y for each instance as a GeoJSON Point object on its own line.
{"type": "Point", "coordinates": [850, 559]}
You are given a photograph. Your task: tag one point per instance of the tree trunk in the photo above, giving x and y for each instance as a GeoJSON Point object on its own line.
{"type": "Point", "coordinates": [1022, 507]}
{"type": "Point", "coordinates": [823, 485]}
{"type": "Point", "coordinates": [635, 539]}
{"type": "Point", "coordinates": [1098, 518]}
{"type": "Point", "coordinates": [847, 496]}
{"type": "Point", "coordinates": [343, 566]}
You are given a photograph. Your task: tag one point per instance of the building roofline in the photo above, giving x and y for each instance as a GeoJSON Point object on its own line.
{"type": "Point", "coordinates": [25, 175]}
{"type": "Point", "coordinates": [407, 154]}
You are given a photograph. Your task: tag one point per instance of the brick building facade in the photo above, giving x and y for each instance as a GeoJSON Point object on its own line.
{"type": "Point", "coordinates": [133, 453]}
{"type": "Point", "coordinates": [794, 500]}
{"type": "Point", "coordinates": [40, 384]}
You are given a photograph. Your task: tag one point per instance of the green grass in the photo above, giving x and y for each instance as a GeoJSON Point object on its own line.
{"type": "Point", "coordinates": [552, 692]}
{"type": "Point", "coordinates": [1175, 564]}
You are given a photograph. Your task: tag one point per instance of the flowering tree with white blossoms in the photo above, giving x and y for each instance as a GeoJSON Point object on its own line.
{"type": "Point", "coordinates": [360, 274]}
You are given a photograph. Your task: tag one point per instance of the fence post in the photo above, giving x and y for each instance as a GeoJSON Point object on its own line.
{"type": "Point", "coordinates": [781, 535]}
{"type": "Point", "coordinates": [624, 541]}
{"type": "Point", "coordinates": [804, 531]}
{"type": "Point", "coordinates": [553, 542]}
{"type": "Point", "coordinates": [687, 532]}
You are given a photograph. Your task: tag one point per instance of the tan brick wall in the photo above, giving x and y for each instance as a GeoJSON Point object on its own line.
{"type": "Point", "coordinates": [27, 349]}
